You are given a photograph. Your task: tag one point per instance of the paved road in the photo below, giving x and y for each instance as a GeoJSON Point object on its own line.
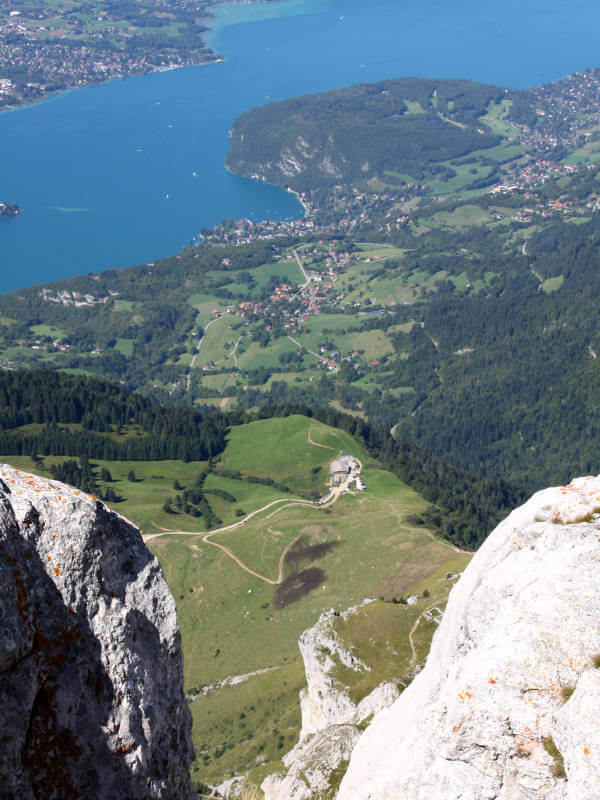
{"type": "Point", "coordinates": [302, 270]}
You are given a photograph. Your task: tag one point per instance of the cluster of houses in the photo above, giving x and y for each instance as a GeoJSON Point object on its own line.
{"type": "Point", "coordinates": [533, 174]}
{"type": "Point", "coordinates": [244, 231]}
{"type": "Point", "coordinates": [48, 55]}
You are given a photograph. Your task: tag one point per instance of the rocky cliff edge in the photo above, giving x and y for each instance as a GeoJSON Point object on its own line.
{"type": "Point", "coordinates": [508, 704]}
{"type": "Point", "coordinates": [331, 721]}
{"type": "Point", "coordinates": [91, 681]}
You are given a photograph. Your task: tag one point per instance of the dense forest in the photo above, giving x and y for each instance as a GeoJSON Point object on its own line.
{"type": "Point", "coordinates": [55, 413]}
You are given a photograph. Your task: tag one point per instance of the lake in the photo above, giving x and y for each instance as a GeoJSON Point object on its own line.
{"type": "Point", "coordinates": [131, 170]}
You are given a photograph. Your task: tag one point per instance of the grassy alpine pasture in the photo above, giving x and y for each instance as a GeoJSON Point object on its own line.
{"type": "Point", "coordinates": [244, 595]}
{"type": "Point", "coordinates": [242, 617]}
{"type": "Point", "coordinates": [141, 500]}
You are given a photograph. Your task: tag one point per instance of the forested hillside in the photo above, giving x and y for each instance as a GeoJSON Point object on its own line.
{"type": "Point", "coordinates": [461, 321]}
{"type": "Point", "coordinates": [60, 414]}
{"type": "Point", "coordinates": [347, 135]}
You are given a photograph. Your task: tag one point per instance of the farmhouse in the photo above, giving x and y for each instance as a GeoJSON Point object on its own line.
{"type": "Point", "coordinates": [339, 471]}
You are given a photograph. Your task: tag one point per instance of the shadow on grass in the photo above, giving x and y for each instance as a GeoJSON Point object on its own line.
{"type": "Point", "coordinates": [297, 585]}
{"type": "Point", "coordinates": [302, 552]}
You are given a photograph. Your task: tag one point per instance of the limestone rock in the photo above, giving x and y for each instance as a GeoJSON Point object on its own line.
{"type": "Point", "coordinates": [325, 702]}
{"type": "Point", "coordinates": [330, 719]}
{"type": "Point", "coordinates": [91, 681]}
{"type": "Point", "coordinates": [311, 764]}
{"type": "Point", "coordinates": [521, 629]}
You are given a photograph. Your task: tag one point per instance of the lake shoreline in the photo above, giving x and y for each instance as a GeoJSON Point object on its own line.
{"type": "Point", "coordinates": [146, 155]}
{"type": "Point", "coordinates": [219, 59]}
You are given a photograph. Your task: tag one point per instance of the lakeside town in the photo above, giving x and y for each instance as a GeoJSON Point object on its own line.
{"type": "Point", "coordinates": [46, 48]}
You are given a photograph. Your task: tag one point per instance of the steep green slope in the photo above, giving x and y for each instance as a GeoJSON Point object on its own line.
{"type": "Point", "coordinates": [245, 594]}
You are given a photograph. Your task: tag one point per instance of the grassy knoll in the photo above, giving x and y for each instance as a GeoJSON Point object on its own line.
{"type": "Point", "coordinates": [280, 449]}
{"type": "Point", "coordinates": [463, 217]}
{"type": "Point", "coordinates": [219, 340]}
{"type": "Point", "coordinates": [374, 343]}
{"type": "Point", "coordinates": [260, 734]}
{"type": "Point", "coordinates": [48, 330]}
{"type": "Point", "coordinates": [255, 356]}
{"type": "Point", "coordinates": [552, 284]}
{"type": "Point", "coordinates": [140, 501]}
{"type": "Point", "coordinates": [125, 305]}
{"type": "Point", "coordinates": [125, 347]}
{"type": "Point", "coordinates": [205, 304]}
{"type": "Point", "coordinates": [497, 119]}
{"type": "Point", "coordinates": [379, 253]}
{"type": "Point", "coordinates": [285, 271]}
{"type": "Point", "coordinates": [394, 291]}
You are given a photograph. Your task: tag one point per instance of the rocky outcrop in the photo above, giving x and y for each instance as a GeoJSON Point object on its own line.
{"type": "Point", "coordinates": [330, 719]}
{"type": "Point", "coordinates": [312, 764]}
{"type": "Point", "coordinates": [91, 682]}
{"type": "Point", "coordinates": [325, 702]}
{"type": "Point", "coordinates": [508, 704]}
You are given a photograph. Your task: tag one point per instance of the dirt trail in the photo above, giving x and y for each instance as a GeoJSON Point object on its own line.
{"type": "Point", "coordinates": [293, 503]}
{"type": "Point", "coordinates": [232, 680]}
{"type": "Point", "coordinates": [316, 444]}
{"type": "Point", "coordinates": [296, 501]}
{"type": "Point", "coordinates": [282, 559]}
{"type": "Point", "coordinates": [207, 538]}
{"type": "Point", "coordinates": [169, 532]}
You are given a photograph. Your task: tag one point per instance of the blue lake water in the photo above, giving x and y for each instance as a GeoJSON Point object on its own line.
{"type": "Point", "coordinates": [129, 171]}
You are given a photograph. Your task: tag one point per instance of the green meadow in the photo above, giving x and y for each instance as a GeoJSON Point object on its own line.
{"type": "Point", "coordinates": [246, 594]}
